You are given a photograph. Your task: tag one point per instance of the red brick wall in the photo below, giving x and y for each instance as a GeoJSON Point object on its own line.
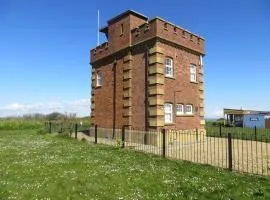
{"type": "Point", "coordinates": [189, 91]}
{"type": "Point", "coordinates": [138, 89]}
{"type": "Point", "coordinates": [103, 97]}
{"type": "Point", "coordinates": [135, 21]}
{"type": "Point", "coordinates": [188, 40]}
{"type": "Point", "coordinates": [115, 39]}
{"type": "Point", "coordinates": [182, 58]}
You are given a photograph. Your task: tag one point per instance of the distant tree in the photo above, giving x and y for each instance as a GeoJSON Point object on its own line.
{"type": "Point", "coordinates": [55, 116]}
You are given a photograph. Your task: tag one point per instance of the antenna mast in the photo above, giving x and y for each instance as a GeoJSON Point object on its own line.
{"type": "Point", "coordinates": [98, 28]}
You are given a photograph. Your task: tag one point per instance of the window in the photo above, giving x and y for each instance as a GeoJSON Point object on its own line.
{"type": "Point", "coordinates": [193, 73]}
{"type": "Point", "coordinates": [169, 67]}
{"type": "Point", "coordinates": [99, 79]}
{"type": "Point", "coordinates": [122, 29]}
{"type": "Point", "coordinates": [189, 109]}
{"type": "Point", "coordinates": [179, 109]}
{"type": "Point", "coordinates": [168, 112]}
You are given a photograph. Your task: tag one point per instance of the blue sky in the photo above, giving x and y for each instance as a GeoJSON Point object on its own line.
{"type": "Point", "coordinates": [44, 50]}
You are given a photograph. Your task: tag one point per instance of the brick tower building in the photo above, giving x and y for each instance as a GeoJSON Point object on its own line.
{"type": "Point", "coordinates": [148, 75]}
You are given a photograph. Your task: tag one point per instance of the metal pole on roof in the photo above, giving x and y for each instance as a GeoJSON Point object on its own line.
{"type": "Point", "coordinates": [98, 27]}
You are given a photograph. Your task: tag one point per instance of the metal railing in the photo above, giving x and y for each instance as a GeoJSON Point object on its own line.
{"type": "Point", "coordinates": [232, 149]}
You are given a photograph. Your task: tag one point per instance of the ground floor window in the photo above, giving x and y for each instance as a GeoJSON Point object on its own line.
{"type": "Point", "coordinates": [179, 109]}
{"type": "Point", "coordinates": [168, 112]}
{"type": "Point", "coordinates": [189, 109]}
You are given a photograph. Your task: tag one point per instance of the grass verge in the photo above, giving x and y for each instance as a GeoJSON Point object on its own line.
{"type": "Point", "coordinates": [43, 166]}
{"type": "Point", "coordinates": [259, 134]}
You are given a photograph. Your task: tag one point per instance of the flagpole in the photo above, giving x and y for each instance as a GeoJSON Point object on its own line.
{"type": "Point", "coordinates": [98, 28]}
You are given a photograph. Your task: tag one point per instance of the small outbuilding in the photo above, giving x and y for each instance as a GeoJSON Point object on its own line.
{"type": "Point", "coordinates": [247, 118]}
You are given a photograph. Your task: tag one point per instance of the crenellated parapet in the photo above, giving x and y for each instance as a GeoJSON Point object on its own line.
{"type": "Point", "coordinates": [167, 31]}
{"type": "Point", "coordinates": [100, 52]}
{"type": "Point", "coordinates": [142, 33]}
{"type": "Point", "coordinates": [178, 35]}
{"type": "Point", "coordinates": [159, 29]}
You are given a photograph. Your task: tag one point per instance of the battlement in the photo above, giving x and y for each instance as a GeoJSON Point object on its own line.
{"type": "Point", "coordinates": [122, 34]}
{"type": "Point", "coordinates": [100, 51]}
{"type": "Point", "coordinates": [143, 32]}
{"type": "Point", "coordinates": [158, 27]}
{"type": "Point", "coordinates": [179, 35]}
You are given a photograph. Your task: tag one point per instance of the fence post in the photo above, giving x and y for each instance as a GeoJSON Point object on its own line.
{"type": "Point", "coordinates": [50, 127]}
{"type": "Point", "coordinates": [76, 130]}
{"type": "Point", "coordinates": [220, 134]}
{"type": "Point", "coordinates": [123, 137]}
{"type": "Point", "coordinates": [96, 134]}
{"type": "Point", "coordinates": [255, 131]}
{"type": "Point", "coordinates": [230, 151]}
{"type": "Point", "coordinates": [197, 138]}
{"type": "Point", "coordinates": [163, 142]}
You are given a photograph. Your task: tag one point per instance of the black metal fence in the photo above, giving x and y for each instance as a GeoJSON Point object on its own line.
{"type": "Point", "coordinates": [232, 149]}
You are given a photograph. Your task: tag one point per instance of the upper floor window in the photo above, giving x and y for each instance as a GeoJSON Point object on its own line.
{"type": "Point", "coordinates": [99, 79]}
{"type": "Point", "coordinates": [193, 73]}
{"type": "Point", "coordinates": [122, 29]}
{"type": "Point", "coordinates": [168, 112]}
{"type": "Point", "coordinates": [168, 67]}
{"type": "Point", "coordinates": [179, 109]}
{"type": "Point", "coordinates": [189, 109]}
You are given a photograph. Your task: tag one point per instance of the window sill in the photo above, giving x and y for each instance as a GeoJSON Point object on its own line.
{"type": "Point", "coordinates": [185, 115]}
{"type": "Point", "coordinates": [170, 77]}
{"type": "Point", "coordinates": [169, 124]}
{"type": "Point", "coordinates": [194, 82]}
{"type": "Point", "coordinates": [180, 115]}
{"type": "Point", "coordinates": [189, 115]}
{"type": "Point", "coordinates": [98, 87]}
{"type": "Point", "coordinates": [121, 34]}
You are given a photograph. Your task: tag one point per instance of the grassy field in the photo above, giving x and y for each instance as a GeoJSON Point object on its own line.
{"type": "Point", "coordinates": [260, 134]}
{"type": "Point", "coordinates": [20, 124]}
{"type": "Point", "coordinates": [27, 124]}
{"type": "Point", "coordinates": [44, 166]}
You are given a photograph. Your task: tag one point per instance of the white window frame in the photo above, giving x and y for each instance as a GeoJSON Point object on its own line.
{"type": "Point", "coordinates": [168, 111]}
{"type": "Point", "coordinates": [169, 66]}
{"type": "Point", "coordinates": [179, 109]}
{"type": "Point", "coordinates": [99, 79]}
{"type": "Point", "coordinates": [190, 112]}
{"type": "Point", "coordinates": [193, 73]}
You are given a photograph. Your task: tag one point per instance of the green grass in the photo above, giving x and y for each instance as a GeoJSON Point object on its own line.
{"type": "Point", "coordinates": [44, 166]}
{"type": "Point", "coordinates": [239, 133]}
{"type": "Point", "coordinates": [20, 124]}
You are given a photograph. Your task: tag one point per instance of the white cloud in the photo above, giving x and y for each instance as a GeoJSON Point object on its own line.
{"type": "Point", "coordinates": [80, 106]}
